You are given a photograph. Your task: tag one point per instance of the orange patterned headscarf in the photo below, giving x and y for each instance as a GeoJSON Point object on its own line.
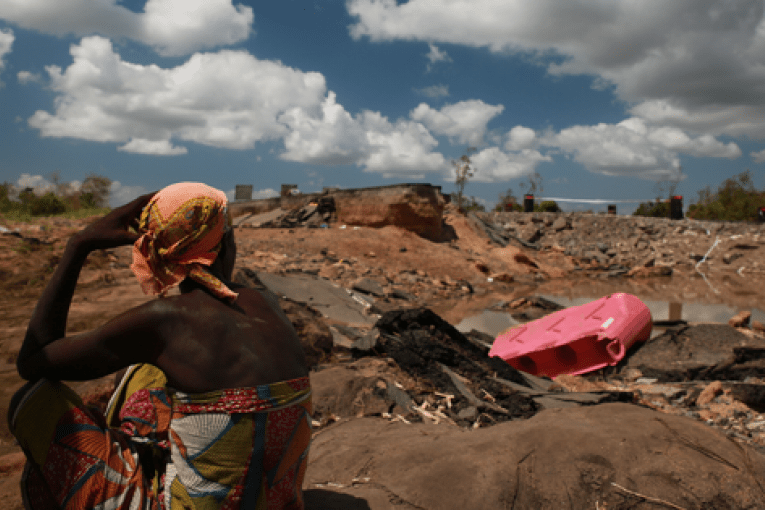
{"type": "Point", "coordinates": [181, 230]}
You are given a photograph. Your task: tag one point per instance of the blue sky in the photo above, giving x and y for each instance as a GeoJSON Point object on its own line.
{"type": "Point", "coordinates": [604, 99]}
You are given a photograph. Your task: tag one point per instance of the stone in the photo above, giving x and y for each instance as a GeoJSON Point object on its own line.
{"type": "Point", "coordinates": [561, 224]}
{"type": "Point", "coordinates": [502, 277]}
{"type": "Point", "coordinates": [367, 342]}
{"type": "Point", "coordinates": [711, 351]}
{"type": "Point", "coordinates": [469, 413]}
{"type": "Point", "coordinates": [709, 393]}
{"type": "Point", "coordinates": [369, 286]}
{"type": "Point", "coordinates": [741, 319]}
{"type": "Point", "coordinates": [758, 326]}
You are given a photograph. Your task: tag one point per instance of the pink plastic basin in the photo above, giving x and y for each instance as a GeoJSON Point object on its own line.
{"type": "Point", "coordinates": [578, 339]}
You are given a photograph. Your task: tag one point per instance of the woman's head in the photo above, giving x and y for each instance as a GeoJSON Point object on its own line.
{"type": "Point", "coordinates": [181, 232]}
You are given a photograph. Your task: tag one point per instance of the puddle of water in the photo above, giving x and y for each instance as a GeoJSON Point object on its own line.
{"type": "Point", "coordinates": [493, 322]}
{"type": "Point", "coordinates": [489, 322]}
{"type": "Point", "coordinates": [665, 310]}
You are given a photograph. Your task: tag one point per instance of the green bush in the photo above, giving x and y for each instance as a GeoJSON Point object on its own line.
{"type": "Point", "coordinates": [47, 205]}
{"type": "Point", "coordinates": [89, 201]}
{"type": "Point", "coordinates": [547, 206]}
{"type": "Point", "coordinates": [736, 199]}
{"type": "Point", "coordinates": [658, 209]}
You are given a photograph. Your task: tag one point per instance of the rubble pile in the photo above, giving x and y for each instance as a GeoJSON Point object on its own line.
{"type": "Point", "coordinates": [708, 372]}
{"type": "Point", "coordinates": [314, 213]}
{"type": "Point", "coordinates": [629, 245]}
{"type": "Point", "coordinates": [443, 360]}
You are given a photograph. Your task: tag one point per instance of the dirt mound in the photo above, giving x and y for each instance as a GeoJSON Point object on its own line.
{"type": "Point", "coordinates": [614, 456]}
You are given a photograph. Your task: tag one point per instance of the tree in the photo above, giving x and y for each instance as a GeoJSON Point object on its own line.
{"type": "Point", "coordinates": [95, 191]}
{"type": "Point", "coordinates": [736, 199]}
{"type": "Point", "coordinates": [507, 201]}
{"type": "Point", "coordinates": [534, 185]}
{"type": "Point", "coordinates": [463, 172]}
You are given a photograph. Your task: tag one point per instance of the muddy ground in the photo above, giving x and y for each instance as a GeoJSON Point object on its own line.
{"type": "Point", "coordinates": [464, 274]}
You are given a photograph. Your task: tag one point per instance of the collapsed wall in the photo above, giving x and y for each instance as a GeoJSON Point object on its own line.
{"type": "Point", "coordinates": [415, 207]}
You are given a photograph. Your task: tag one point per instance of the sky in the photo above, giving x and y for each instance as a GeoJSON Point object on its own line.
{"type": "Point", "coordinates": [609, 100]}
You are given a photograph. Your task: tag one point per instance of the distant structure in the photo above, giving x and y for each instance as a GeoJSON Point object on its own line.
{"type": "Point", "coordinates": [243, 192]}
{"type": "Point", "coordinates": [289, 190]}
{"type": "Point", "coordinates": [528, 203]}
{"type": "Point", "coordinates": [676, 207]}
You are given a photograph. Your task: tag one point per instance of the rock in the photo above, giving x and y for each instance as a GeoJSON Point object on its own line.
{"type": "Point", "coordinates": [561, 224]}
{"type": "Point", "coordinates": [758, 326]}
{"type": "Point", "coordinates": [753, 395]}
{"type": "Point", "coordinates": [469, 413]}
{"type": "Point", "coordinates": [522, 258]}
{"type": "Point", "coordinates": [741, 319]}
{"type": "Point", "coordinates": [367, 342]}
{"type": "Point", "coordinates": [560, 458]}
{"type": "Point", "coordinates": [709, 393]}
{"type": "Point", "coordinates": [530, 234]}
{"type": "Point", "coordinates": [315, 336]}
{"type": "Point", "coordinates": [730, 257]}
{"type": "Point", "coordinates": [369, 286]}
{"type": "Point", "coordinates": [418, 208]}
{"type": "Point", "coordinates": [646, 272]}
{"type": "Point", "coordinates": [704, 351]}
{"type": "Point", "coordinates": [502, 277]}
{"type": "Point", "coordinates": [398, 293]}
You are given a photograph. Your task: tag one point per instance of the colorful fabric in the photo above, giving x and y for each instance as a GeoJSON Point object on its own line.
{"type": "Point", "coordinates": [244, 448]}
{"type": "Point", "coordinates": [75, 460]}
{"type": "Point", "coordinates": [181, 230]}
{"type": "Point", "coordinates": [234, 448]}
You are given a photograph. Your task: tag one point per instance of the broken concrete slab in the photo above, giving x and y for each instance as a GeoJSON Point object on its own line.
{"type": "Point", "coordinates": [331, 300]}
{"type": "Point", "coordinates": [258, 220]}
{"type": "Point", "coordinates": [702, 351]}
{"type": "Point", "coordinates": [369, 286]}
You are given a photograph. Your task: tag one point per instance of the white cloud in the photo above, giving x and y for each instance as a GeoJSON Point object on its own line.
{"type": "Point", "coordinates": [634, 148]}
{"type": "Point", "coordinates": [26, 77]}
{"type": "Point", "coordinates": [226, 99]}
{"type": "Point", "coordinates": [403, 149]}
{"type": "Point", "coordinates": [6, 42]}
{"type": "Point", "coordinates": [464, 122]}
{"type": "Point", "coordinates": [334, 137]}
{"type": "Point", "coordinates": [119, 194]}
{"type": "Point", "coordinates": [230, 99]}
{"type": "Point", "coordinates": [758, 157]}
{"type": "Point", "coordinates": [494, 165]}
{"type": "Point", "coordinates": [702, 63]}
{"type": "Point", "coordinates": [154, 147]}
{"type": "Point", "coordinates": [331, 138]}
{"type": "Point", "coordinates": [172, 27]}
{"type": "Point", "coordinates": [265, 193]}
{"type": "Point", "coordinates": [520, 137]}
{"type": "Point", "coordinates": [435, 55]}
{"type": "Point", "coordinates": [434, 91]}
{"type": "Point", "coordinates": [39, 184]}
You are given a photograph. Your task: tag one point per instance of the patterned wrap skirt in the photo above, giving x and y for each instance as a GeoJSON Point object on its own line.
{"type": "Point", "coordinates": [162, 449]}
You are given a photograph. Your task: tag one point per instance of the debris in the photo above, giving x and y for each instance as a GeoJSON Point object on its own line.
{"type": "Point", "coordinates": [741, 319]}
{"type": "Point", "coordinates": [648, 498]}
{"type": "Point", "coordinates": [577, 340]}
{"type": "Point", "coordinates": [709, 393]}
{"type": "Point", "coordinates": [369, 286]}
